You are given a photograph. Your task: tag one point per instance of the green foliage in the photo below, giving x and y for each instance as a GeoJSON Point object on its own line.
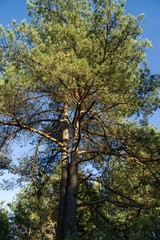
{"type": "Point", "coordinates": [4, 224]}
{"type": "Point", "coordinates": [81, 46]}
{"type": "Point", "coordinates": [34, 216]}
{"type": "Point", "coordinates": [34, 212]}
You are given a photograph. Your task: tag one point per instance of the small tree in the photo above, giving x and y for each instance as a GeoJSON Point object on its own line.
{"type": "Point", "coordinates": [34, 211]}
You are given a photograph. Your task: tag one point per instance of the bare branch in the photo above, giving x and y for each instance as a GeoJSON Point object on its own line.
{"type": "Point", "coordinates": [34, 130]}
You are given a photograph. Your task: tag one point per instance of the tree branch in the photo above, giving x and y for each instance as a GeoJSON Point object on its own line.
{"type": "Point", "coordinates": [34, 130]}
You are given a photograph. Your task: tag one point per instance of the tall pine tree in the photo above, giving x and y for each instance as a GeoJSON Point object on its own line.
{"type": "Point", "coordinates": [71, 78]}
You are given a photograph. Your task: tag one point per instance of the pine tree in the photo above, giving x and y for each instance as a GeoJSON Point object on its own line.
{"type": "Point", "coordinates": [71, 78]}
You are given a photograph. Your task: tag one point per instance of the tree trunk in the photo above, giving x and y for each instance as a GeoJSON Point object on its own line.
{"type": "Point", "coordinates": [70, 227]}
{"type": "Point", "coordinates": [66, 226]}
{"type": "Point", "coordinates": [64, 178]}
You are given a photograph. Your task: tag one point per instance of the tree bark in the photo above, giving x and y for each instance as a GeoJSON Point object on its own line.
{"type": "Point", "coordinates": [66, 226]}
{"type": "Point", "coordinates": [70, 227]}
{"type": "Point", "coordinates": [64, 178]}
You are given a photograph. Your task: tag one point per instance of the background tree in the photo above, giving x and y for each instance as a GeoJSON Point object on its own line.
{"type": "Point", "coordinates": [70, 80]}
{"type": "Point", "coordinates": [35, 208]}
{"type": "Point", "coordinates": [4, 224]}
{"type": "Point", "coordinates": [34, 212]}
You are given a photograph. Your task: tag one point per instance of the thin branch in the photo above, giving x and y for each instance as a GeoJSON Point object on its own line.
{"type": "Point", "coordinates": [119, 204]}
{"type": "Point", "coordinates": [54, 12]}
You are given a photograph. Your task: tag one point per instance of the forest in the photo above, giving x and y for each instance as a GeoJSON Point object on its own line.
{"type": "Point", "coordinates": [76, 91]}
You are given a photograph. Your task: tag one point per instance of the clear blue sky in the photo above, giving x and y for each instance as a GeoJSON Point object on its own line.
{"type": "Point", "coordinates": [150, 25]}
{"type": "Point", "coordinates": [16, 9]}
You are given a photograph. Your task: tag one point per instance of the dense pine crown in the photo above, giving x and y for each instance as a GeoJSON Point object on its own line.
{"type": "Point", "coordinates": [73, 78]}
{"type": "Point", "coordinates": [80, 45]}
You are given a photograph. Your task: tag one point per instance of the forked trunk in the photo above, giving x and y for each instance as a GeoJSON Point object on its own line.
{"type": "Point", "coordinates": [67, 215]}
{"type": "Point", "coordinates": [66, 226]}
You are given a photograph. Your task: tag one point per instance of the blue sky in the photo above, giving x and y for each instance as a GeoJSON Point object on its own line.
{"type": "Point", "coordinates": [10, 9]}
{"type": "Point", "coordinates": [16, 9]}
{"type": "Point", "coordinates": [150, 25]}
